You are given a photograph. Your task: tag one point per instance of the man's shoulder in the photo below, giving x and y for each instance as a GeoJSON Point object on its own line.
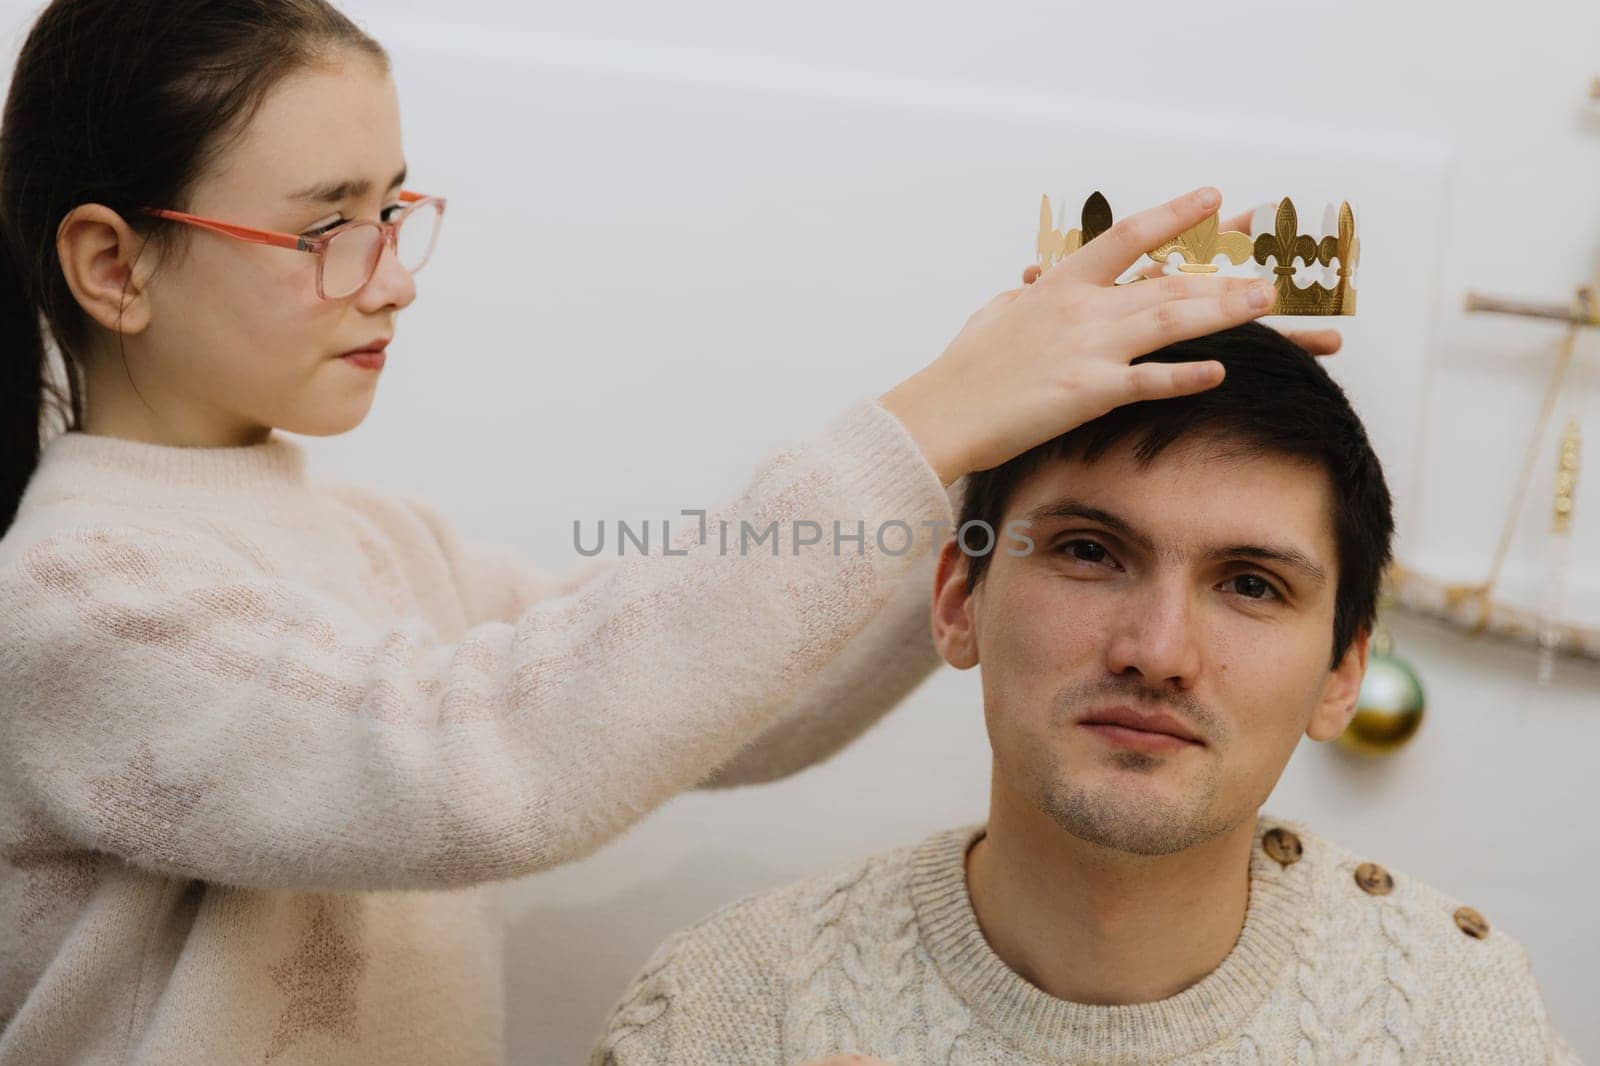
{"type": "Point", "coordinates": [853, 899]}
{"type": "Point", "coordinates": [1364, 906]}
{"type": "Point", "coordinates": [765, 933]}
{"type": "Point", "coordinates": [746, 962]}
{"type": "Point", "coordinates": [1431, 962]}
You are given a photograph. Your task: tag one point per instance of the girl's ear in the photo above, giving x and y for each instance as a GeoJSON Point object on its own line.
{"type": "Point", "coordinates": [100, 256]}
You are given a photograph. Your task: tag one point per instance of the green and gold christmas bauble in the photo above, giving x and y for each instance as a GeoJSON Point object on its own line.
{"type": "Point", "coordinates": [1389, 709]}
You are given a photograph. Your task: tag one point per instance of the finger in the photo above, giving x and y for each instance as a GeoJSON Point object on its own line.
{"type": "Point", "coordinates": [1115, 250]}
{"type": "Point", "coordinates": [1163, 381]}
{"type": "Point", "coordinates": [1179, 320]}
{"type": "Point", "coordinates": [1145, 271]}
{"type": "Point", "coordinates": [1030, 273]}
{"type": "Point", "coordinates": [1318, 341]}
{"type": "Point", "coordinates": [1129, 299]}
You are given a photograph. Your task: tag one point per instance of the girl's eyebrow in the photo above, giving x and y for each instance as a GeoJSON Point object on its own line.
{"type": "Point", "coordinates": [331, 192]}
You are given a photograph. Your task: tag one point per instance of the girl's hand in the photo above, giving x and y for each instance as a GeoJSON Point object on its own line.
{"type": "Point", "coordinates": [1315, 341]}
{"type": "Point", "coordinates": [1038, 361]}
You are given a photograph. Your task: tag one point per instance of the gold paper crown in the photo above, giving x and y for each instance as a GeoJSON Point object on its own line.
{"type": "Point", "coordinates": [1197, 249]}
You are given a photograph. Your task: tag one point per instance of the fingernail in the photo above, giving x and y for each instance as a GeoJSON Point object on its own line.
{"type": "Point", "coordinates": [1209, 197]}
{"type": "Point", "coordinates": [1262, 296]}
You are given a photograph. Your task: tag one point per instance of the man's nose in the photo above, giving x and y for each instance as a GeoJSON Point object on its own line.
{"type": "Point", "coordinates": [1156, 633]}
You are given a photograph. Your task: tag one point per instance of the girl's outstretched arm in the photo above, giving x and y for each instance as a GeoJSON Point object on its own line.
{"type": "Point", "coordinates": [886, 660]}
{"type": "Point", "coordinates": [867, 678]}
{"type": "Point", "coordinates": [167, 702]}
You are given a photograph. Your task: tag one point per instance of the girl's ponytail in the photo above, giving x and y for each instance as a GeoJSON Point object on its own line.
{"type": "Point", "coordinates": [22, 383]}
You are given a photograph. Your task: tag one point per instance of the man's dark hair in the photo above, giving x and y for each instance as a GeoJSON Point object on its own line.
{"type": "Point", "coordinates": [1275, 399]}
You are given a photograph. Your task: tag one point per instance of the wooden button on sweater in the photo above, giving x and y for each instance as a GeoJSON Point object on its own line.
{"type": "Point", "coordinates": [1374, 879]}
{"type": "Point", "coordinates": [1472, 923]}
{"type": "Point", "coordinates": [1282, 845]}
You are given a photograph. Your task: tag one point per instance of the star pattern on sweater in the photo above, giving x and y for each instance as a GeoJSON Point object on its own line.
{"type": "Point", "coordinates": [318, 982]}
{"type": "Point", "coordinates": [58, 874]}
{"type": "Point", "coordinates": [823, 607]}
{"type": "Point", "coordinates": [141, 809]}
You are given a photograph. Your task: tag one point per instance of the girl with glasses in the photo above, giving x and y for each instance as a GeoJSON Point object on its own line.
{"type": "Point", "coordinates": [268, 745]}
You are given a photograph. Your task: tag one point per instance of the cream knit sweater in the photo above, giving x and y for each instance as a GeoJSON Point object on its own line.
{"type": "Point", "coordinates": [887, 958]}
{"type": "Point", "coordinates": [267, 744]}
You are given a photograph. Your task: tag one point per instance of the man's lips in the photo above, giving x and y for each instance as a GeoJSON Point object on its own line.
{"type": "Point", "coordinates": [1127, 719]}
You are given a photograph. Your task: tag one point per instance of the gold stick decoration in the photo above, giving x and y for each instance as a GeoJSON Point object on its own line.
{"type": "Point", "coordinates": [1473, 606]}
{"type": "Point", "coordinates": [1477, 615]}
{"type": "Point", "coordinates": [1581, 312]}
{"type": "Point", "coordinates": [1567, 477]}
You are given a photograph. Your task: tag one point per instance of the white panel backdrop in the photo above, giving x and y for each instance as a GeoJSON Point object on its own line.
{"type": "Point", "coordinates": [681, 235]}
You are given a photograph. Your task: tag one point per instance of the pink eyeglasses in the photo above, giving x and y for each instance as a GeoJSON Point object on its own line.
{"type": "Point", "coordinates": [348, 254]}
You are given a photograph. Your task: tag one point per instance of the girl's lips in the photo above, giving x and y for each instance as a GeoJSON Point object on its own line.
{"type": "Point", "coordinates": [376, 346]}
{"type": "Point", "coordinates": [367, 359]}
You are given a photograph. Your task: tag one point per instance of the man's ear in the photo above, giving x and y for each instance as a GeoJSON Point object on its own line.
{"type": "Point", "coordinates": [100, 257]}
{"type": "Point", "coordinates": [954, 632]}
{"type": "Point", "coordinates": [1340, 691]}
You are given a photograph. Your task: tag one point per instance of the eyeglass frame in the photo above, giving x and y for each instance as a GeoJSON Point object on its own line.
{"type": "Point", "coordinates": [317, 245]}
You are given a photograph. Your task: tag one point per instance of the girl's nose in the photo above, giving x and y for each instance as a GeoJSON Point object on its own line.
{"type": "Point", "coordinates": [391, 284]}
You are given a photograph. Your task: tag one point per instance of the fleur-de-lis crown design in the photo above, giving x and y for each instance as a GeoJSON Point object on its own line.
{"type": "Point", "coordinates": [1201, 244]}
{"type": "Point", "coordinates": [1280, 255]}
{"type": "Point", "coordinates": [1055, 245]}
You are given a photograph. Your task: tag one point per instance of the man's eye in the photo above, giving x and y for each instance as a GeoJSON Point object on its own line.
{"type": "Point", "coordinates": [1250, 586]}
{"type": "Point", "coordinates": [1262, 587]}
{"type": "Point", "coordinates": [1097, 551]}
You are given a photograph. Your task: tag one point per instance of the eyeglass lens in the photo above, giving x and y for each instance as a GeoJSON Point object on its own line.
{"type": "Point", "coordinates": [351, 257]}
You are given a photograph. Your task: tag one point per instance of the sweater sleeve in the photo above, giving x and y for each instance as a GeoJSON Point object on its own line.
{"type": "Point", "coordinates": [869, 676]}
{"type": "Point", "coordinates": [639, 1029]}
{"type": "Point", "coordinates": [1490, 1004]}
{"type": "Point", "coordinates": [168, 703]}
{"type": "Point", "coordinates": [1553, 1046]}
{"type": "Point", "coordinates": [1557, 1051]}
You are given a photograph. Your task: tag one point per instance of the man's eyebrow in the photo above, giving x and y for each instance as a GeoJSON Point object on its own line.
{"type": "Point", "coordinates": [331, 192]}
{"type": "Point", "coordinates": [1293, 558]}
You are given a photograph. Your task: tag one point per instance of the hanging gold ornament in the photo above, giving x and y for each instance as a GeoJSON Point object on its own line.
{"type": "Point", "coordinates": [1390, 707]}
{"type": "Point", "coordinates": [1560, 548]}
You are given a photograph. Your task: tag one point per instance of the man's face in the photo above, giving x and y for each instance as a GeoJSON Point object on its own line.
{"type": "Point", "coordinates": [1201, 588]}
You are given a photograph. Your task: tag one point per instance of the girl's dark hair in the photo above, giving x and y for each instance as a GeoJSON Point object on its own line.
{"type": "Point", "coordinates": [1276, 399]}
{"type": "Point", "coordinates": [123, 103]}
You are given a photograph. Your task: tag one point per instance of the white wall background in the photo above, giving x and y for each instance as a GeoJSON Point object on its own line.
{"type": "Point", "coordinates": [681, 235]}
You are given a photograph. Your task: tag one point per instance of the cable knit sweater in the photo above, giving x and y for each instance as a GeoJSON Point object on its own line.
{"type": "Point", "coordinates": [268, 744]}
{"type": "Point", "coordinates": [1338, 962]}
